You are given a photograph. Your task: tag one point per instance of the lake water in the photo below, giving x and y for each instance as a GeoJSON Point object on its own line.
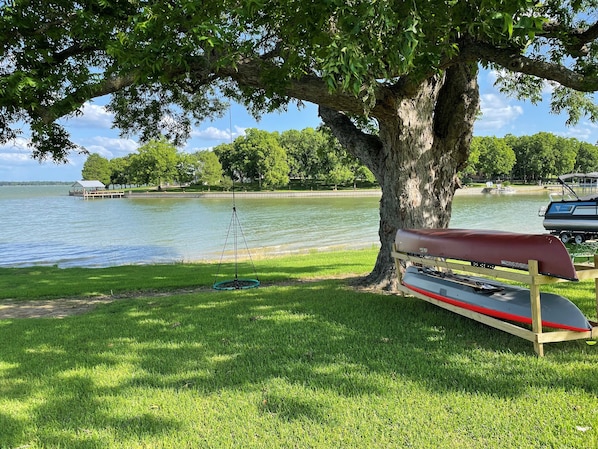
{"type": "Point", "coordinates": [42, 225]}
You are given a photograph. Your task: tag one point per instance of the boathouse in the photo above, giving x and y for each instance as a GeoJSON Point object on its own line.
{"type": "Point", "coordinates": [80, 188]}
{"type": "Point", "coordinates": [94, 189]}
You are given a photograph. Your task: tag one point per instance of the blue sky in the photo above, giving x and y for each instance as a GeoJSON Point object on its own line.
{"type": "Point", "coordinates": [500, 115]}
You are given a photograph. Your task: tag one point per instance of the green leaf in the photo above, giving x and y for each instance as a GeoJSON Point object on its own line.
{"type": "Point", "coordinates": [508, 25]}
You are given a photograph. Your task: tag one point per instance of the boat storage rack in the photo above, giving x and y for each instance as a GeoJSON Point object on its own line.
{"type": "Point", "coordinates": [531, 278]}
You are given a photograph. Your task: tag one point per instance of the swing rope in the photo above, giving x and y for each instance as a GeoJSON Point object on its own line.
{"type": "Point", "coordinates": [235, 226]}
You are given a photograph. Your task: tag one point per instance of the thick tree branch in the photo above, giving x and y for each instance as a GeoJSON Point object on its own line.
{"type": "Point", "coordinates": [577, 38]}
{"type": "Point", "coordinates": [366, 147]}
{"type": "Point", "coordinates": [248, 72]}
{"type": "Point", "coordinates": [588, 35]}
{"type": "Point", "coordinates": [535, 67]}
{"type": "Point", "coordinates": [74, 50]}
{"type": "Point", "coordinates": [72, 102]}
{"type": "Point", "coordinates": [313, 89]}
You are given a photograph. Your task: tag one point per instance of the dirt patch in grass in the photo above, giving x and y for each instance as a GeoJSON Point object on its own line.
{"type": "Point", "coordinates": [63, 307]}
{"type": "Point", "coordinates": [54, 308]}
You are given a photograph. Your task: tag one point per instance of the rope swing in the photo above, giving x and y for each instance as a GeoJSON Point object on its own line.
{"type": "Point", "coordinates": [236, 230]}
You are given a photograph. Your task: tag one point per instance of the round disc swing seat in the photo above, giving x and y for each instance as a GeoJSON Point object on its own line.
{"type": "Point", "coordinates": [236, 283]}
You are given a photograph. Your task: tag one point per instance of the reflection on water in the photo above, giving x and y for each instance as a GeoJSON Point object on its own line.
{"type": "Point", "coordinates": [43, 225]}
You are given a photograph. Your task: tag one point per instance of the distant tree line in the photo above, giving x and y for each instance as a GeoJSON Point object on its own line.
{"type": "Point", "coordinates": [529, 158]}
{"type": "Point", "coordinates": [313, 157]}
{"type": "Point", "coordinates": [35, 183]}
{"type": "Point", "coordinates": [267, 160]}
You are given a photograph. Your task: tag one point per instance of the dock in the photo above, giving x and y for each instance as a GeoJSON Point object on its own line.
{"type": "Point", "coordinates": [93, 194]}
{"type": "Point", "coordinates": [94, 189]}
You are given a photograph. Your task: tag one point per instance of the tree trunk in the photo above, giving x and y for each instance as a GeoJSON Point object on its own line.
{"type": "Point", "coordinates": [423, 141]}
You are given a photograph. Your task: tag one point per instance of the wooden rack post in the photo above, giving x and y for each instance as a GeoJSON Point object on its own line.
{"type": "Point", "coordinates": [532, 278]}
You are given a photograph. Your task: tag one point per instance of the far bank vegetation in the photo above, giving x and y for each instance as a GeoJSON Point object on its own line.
{"type": "Point", "coordinates": [312, 159]}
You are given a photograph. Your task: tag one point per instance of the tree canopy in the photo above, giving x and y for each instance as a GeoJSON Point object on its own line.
{"type": "Point", "coordinates": [257, 156]}
{"type": "Point", "coordinates": [166, 63]}
{"type": "Point", "coordinates": [540, 157]}
{"type": "Point", "coordinates": [411, 67]}
{"type": "Point", "coordinates": [209, 168]}
{"type": "Point", "coordinates": [155, 162]}
{"type": "Point", "coordinates": [261, 158]}
{"type": "Point", "coordinates": [96, 168]}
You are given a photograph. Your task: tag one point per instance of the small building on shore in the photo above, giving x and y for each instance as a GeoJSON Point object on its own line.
{"type": "Point", "coordinates": [94, 189]}
{"type": "Point", "coordinates": [83, 188]}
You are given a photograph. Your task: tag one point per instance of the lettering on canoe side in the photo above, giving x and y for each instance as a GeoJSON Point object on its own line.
{"type": "Point", "coordinates": [511, 264]}
{"type": "Point", "coordinates": [491, 266]}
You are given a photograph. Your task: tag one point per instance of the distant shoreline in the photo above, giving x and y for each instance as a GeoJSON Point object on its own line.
{"type": "Point", "coordinates": [35, 183]}
{"type": "Point", "coordinates": [276, 194]}
{"type": "Point", "coordinates": [465, 191]}
{"type": "Point", "coordinates": [316, 194]}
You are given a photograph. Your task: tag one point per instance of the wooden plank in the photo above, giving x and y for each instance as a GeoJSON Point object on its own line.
{"type": "Point", "coordinates": [497, 272]}
{"type": "Point", "coordinates": [585, 272]}
{"type": "Point", "coordinates": [558, 336]}
{"type": "Point", "coordinates": [103, 194]}
{"type": "Point", "coordinates": [534, 293]}
{"type": "Point", "coordinates": [462, 266]}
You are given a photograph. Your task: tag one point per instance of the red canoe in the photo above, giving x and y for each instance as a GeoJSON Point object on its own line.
{"type": "Point", "coordinates": [490, 248]}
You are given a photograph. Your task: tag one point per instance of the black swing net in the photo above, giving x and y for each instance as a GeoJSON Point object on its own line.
{"type": "Point", "coordinates": [236, 283]}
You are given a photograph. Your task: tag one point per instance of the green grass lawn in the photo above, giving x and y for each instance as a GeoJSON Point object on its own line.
{"type": "Point", "coordinates": [291, 364]}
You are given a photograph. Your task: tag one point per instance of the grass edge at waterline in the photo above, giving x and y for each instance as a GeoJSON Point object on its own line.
{"type": "Point", "coordinates": [43, 282]}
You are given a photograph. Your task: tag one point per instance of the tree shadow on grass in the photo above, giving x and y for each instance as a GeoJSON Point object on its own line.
{"type": "Point", "coordinates": [14, 430]}
{"type": "Point", "coordinates": [335, 340]}
{"type": "Point", "coordinates": [273, 343]}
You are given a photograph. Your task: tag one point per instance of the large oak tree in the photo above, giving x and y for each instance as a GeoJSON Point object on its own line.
{"type": "Point", "coordinates": [410, 67]}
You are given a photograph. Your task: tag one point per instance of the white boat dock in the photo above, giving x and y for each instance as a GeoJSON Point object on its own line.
{"type": "Point", "coordinates": [93, 194]}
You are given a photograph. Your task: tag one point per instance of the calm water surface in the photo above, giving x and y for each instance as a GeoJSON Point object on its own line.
{"type": "Point", "coordinates": [42, 225]}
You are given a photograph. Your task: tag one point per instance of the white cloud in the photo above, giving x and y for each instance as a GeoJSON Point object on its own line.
{"type": "Point", "coordinates": [17, 164]}
{"type": "Point", "coordinates": [15, 153]}
{"type": "Point", "coordinates": [585, 131]}
{"type": "Point", "coordinates": [94, 116]}
{"type": "Point", "coordinates": [213, 133]}
{"type": "Point", "coordinates": [19, 144]}
{"type": "Point", "coordinates": [110, 147]}
{"type": "Point", "coordinates": [497, 112]}
{"type": "Point", "coordinates": [7, 158]}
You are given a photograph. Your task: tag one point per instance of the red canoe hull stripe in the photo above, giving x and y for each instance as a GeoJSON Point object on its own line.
{"type": "Point", "coordinates": [490, 312]}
